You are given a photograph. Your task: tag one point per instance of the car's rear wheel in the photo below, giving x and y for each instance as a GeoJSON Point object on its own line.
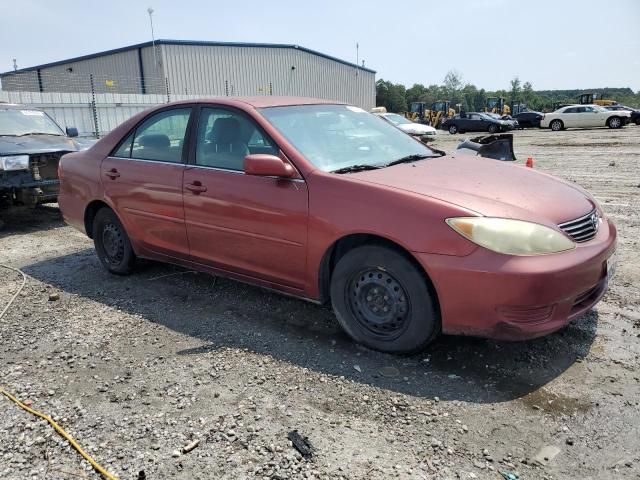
{"type": "Point", "coordinates": [453, 129]}
{"type": "Point", "coordinates": [493, 128]}
{"type": "Point", "coordinates": [383, 301]}
{"type": "Point", "coordinates": [556, 125]}
{"type": "Point", "coordinates": [614, 122]}
{"type": "Point", "coordinates": [112, 243]}
{"type": "Point", "coordinates": [638, 121]}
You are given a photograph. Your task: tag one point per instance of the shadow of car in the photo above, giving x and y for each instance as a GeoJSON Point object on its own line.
{"type": "Point", "coordinates": [224, 313]}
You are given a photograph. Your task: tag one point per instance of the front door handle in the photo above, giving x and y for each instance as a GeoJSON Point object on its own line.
{"type": "Point", "coordinates": [195, 187]}
{"type": "Point", "coordinates": [112, 174]}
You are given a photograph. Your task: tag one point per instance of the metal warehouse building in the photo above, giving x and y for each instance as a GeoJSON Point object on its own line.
{"type": "Point", "coordinates": [203, 68]}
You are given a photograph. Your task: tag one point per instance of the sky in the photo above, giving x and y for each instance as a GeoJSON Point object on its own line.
{"type": "Point", "coordinates": [561, 44]}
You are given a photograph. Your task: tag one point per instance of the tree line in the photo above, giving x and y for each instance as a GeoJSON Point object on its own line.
{"type": "Point", "coordinates": [396, 97]}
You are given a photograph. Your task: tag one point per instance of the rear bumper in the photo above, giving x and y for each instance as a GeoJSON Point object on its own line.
{"type": "Point", "coordinates": [516, 298]}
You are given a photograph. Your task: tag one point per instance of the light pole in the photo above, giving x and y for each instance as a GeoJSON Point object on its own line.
{"type": "Point", "coordinates": [153, 39]}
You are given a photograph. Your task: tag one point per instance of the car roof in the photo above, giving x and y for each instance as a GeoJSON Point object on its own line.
{"type": "Point", "coordinates": [265, 101]}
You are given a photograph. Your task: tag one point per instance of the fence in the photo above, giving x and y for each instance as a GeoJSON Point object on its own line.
{"type": "Point", "coordinates": [94, 104]}
{"type": "Point", "coordinates": [93, 115]}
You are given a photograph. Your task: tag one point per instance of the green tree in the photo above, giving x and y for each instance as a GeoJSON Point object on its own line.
{"type": "Point", "coordinates": [391, 96]}
{"type": "Point", "coordinates": [452, 86]}
{"type": "Point", "coordinates": [515, 89]}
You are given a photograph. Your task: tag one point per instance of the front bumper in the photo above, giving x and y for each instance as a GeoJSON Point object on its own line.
{"type": "Point", "coordinates": [516, 298]}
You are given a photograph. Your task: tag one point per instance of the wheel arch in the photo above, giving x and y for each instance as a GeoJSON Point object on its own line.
{"type": "Point", "coordinates": [557, 120]}
{"type": "Point", "coordinates": [343, 245]}
{"type": "Point", "coordinates": [611, 117]}
{"type": "Point", "coordinates": [90, 213]}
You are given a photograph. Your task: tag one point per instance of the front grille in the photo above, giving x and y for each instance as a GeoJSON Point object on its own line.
{"type": "Point", "coordinates": [44, 166]}
{"type": "Point", "coordinates": [583, 228]}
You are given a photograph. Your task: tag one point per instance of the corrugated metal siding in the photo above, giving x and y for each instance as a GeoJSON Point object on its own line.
{"type": "Point", "coordinates": [206, 70]}
{"type": "Point", "coordinates": [118, 72]}
{"type": "Point", "coordinates": [239, 70]}
{"type": "Point", "coordinates": [153, 70]}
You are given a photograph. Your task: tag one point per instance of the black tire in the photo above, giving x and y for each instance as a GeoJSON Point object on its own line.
{"type": "Point", "coordinates": [556, 125]}
{"type": "Point", "coordinates": [614, 122]}
{"type": "Point", "coordinates": [453, 129]}
{"type": "Point", "coordinates": [370, 279]}
{"type": "Point", "coordinates": [637, 121]}
{"type": "Point", "coordinates": [493, 128]}
{"type": "Point", "coordinates": [112, 243]}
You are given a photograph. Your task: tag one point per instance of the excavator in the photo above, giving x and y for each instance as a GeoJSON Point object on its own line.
{"type": "Point", "coordinates": [592, 99]}
{"type": "Point", "coordinates": [497, 105]}
{"type": "Point", "coordinates": [434, 116]}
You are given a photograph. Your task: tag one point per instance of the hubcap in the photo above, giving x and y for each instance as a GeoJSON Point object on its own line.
{"type": "Point", "coordinates": [379, 303]}
{"type": "Point", "coordinates": [556, 126]}
{"type": "Point", "coordinates": [113, 243]}
{"type": "Point", "coordinates": [615, 123]}
{"type": "Point", "coordinates": [453, 129]}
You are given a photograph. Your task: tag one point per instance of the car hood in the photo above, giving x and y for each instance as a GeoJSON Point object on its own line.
{"type": "Point", "coordinates": [37, 144]}
{"type": "Point", "coordinates": [416, 128]}
{"type": "Point", "coordinates": [488, 187]}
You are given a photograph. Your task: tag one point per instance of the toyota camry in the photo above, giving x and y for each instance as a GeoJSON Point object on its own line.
{"type": "Point", "coordinates": [325, 202]}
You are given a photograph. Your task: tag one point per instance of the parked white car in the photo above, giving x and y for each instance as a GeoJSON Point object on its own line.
{"type": "Point", "coordinates": [584, 116]}
{"type": "Point", "coordinates": [407, 126]}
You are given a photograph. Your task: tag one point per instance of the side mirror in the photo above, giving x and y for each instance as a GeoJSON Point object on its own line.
{"type": "Point", "coordinates": [265, 165]}
{"type": "Point", "coordinates": [72, 132]}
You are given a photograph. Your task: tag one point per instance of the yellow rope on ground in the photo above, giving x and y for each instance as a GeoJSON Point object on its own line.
{"type": "Point", "coordinates": [57, 427]}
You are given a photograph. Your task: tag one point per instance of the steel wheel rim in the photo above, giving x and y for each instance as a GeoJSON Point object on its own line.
{"type": "Point", "coordinates": [112, 244]}
{"type": "Point", "coordinates": [379, 303]}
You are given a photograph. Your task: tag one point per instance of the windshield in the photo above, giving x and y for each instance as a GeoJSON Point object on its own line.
{"type": "Point", "coordinates": [17, 122]}
{"type": "Point", "coordinates": [333, 137]}
{"type": "Point", "coordinates": [397, 119]}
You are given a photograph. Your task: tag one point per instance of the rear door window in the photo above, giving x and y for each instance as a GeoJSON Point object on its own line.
{"type": "Point", "coordinates": [162, 136]}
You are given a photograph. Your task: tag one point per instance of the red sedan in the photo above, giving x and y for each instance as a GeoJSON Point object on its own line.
{"type": "Point", "coordinates": [327, 202]}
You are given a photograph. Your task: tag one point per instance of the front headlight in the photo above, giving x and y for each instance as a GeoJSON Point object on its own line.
{"type": "Point", "coordinates": [511, 237]}
{"type": "Point", "coordinates": [14, 162]}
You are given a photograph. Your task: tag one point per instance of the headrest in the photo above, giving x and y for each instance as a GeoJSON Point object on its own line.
{"type": "Point", "coordinates": [155, 140]}
{"type": "Point", "coordinates": [226, 130]}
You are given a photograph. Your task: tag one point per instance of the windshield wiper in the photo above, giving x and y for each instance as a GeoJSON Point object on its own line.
{"type": "Point", "coordinates": [409, 158]}
{"type": "Point", "coordinates": [39, 133]}
{"type": "Point", "coordinates": [356, 168]}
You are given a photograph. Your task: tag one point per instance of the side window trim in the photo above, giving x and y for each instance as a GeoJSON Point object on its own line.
{"type": "Point", "coordinates": [195, 127]}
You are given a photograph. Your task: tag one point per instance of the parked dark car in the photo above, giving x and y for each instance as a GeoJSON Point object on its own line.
{"type": "Point", "coordinates": [31, 145]}
{"type": "Point", "coordinates": [529, 119]}
{"type": "Point", "coordinates": [476, 122]}
{"type": "Point", "coordinates": [512, 123]}
{"type": "Point", "coordinates": [326, 202]}
{"type": "Point", "coordinates": [635, 113]}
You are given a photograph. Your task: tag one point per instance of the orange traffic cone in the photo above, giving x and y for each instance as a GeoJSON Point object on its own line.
{"type": "Point", "coordinates": [529, 162]}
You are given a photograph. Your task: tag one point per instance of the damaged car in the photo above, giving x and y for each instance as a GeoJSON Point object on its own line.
{"type": "Point", "coordinates": [323, 201]}
{"type": "Point", "coordinates": [31, 144]}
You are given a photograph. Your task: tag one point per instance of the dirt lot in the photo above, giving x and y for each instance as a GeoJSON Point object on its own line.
{"type": "Point", "coordinates": [135, 368]}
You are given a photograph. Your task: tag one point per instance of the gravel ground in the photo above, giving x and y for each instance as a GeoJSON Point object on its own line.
{"type": "Point", "coordinates": [136, 368]}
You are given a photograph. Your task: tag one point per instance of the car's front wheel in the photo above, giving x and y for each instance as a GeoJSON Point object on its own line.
{"type": "Point", "coordinates": [556, 125]}
{"type": "Point", "coordinates": [614, 122]}
{"type": "Point", "coordinates": [493, 128]}
{"type": "Point", "coordinates": [383, 300]}
{"type": "Point", "coordinates": [453, 129]}
{"type": "Point", "coordinates": [112, 243]}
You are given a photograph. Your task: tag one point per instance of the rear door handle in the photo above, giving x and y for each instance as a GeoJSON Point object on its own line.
{"type": "Point", "coordinates": [112, 174]}
{"type": "Point", "coordinates": [195, 187]}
